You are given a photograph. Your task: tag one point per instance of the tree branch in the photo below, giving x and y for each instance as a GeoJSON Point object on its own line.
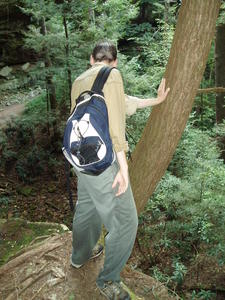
{"type": "Point", "coordinates": [211, 90]}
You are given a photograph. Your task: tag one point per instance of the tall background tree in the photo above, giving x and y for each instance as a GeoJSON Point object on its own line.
{"type": "Point", "coordinates": [183, 75]}
{"type": "Point", "coordinates": [220, 73]}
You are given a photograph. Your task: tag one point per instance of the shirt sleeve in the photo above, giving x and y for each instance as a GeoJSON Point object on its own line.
{"type": "Point", "coordinates": [115, 99]}
{"type": "Point", "coordinates": [131, 104]}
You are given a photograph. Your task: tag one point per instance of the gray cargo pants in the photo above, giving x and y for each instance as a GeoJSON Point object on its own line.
{"type": "Point", "coordinates": [97, 205]}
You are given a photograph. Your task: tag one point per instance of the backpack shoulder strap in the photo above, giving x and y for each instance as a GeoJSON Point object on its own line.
{"type": "Point", "coordinates": [101, 78]}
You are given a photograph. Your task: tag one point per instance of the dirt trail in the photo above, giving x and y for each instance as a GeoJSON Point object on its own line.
{"type": "Point", "coordinates": [12, 111]}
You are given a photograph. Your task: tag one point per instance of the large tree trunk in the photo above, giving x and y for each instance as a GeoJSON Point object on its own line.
{"type": "Point", "coordinates": [184, 71]}
{"type": "Point", "coordinates": [220, 81]}
{"type": "Point", "coordinates": [220, 72]}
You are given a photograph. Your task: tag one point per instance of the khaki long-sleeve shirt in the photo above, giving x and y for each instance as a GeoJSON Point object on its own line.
{"type": "Point", "coordinates": [116, 101]}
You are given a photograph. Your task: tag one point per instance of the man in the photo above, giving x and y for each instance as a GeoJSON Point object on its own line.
{"type": "Point", "coordinates": [107, 198]}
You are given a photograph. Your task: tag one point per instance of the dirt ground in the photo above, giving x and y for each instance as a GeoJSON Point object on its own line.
{"type": "Point", "coordinates": [9, 112]}
{"type": "Point", "coordinates": [43, 271]}
{"type": "Point", "coordinates": [12, 103]}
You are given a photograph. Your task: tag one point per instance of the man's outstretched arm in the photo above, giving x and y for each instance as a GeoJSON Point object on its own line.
{"type": "Point", "coordinates": [133, 103]}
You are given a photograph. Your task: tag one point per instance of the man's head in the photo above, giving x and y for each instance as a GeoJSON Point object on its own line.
{"type": "Point", "coordinates": [105, 52]}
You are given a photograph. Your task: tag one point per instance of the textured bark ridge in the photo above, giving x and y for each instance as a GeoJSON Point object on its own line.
{"type": "Point", "coordinates": [184, 71]}
{"type": "Point", "coordinates": [43, 271]}
{"type": "Point", "coordinates": [220, 72]}
{"type": "Point", "coordinates": [220, 80]}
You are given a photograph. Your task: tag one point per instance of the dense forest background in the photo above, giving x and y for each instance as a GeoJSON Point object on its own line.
{"type": "Point", "coordinates": [45, 45]}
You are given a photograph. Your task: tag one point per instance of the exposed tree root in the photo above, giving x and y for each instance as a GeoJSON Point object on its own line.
{"type": "Point", "coordinates": [38, 238]}
{"type": "Point", "coordinates": [44, 272]}
{"type": "Point", "coordinates": [41, 288]}
{"type": "Point", "coordinates": [27, 256]}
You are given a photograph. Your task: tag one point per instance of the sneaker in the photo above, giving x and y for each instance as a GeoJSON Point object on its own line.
{"type": "Point", "coordinates": [114, 291]}
{"type": "Point", "coordinates": [98, 249]}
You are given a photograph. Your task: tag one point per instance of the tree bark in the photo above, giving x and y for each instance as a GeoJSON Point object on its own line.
{"type": "Point", "coordinates": [51, 91]}
{"type": "Point", "coordinates": [49, 77]}
{"type": "Point", "coordinates": [220, 72]}
{"type": "Point", "coordinates": [189, 52]}
{"type": "Point", "coordinates": [67, 48]}
{"type": "Point", "coordinates": [220, 80]}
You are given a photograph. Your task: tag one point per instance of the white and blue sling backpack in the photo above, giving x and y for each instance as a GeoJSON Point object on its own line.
{"type": "Point", "coordinates": [87, 143]}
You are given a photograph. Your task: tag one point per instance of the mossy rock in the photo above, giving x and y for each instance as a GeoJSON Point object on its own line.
{"type": "Point", "coordinates": [15, 234]}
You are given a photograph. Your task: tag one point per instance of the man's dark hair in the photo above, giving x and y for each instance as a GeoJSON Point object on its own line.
{"type": "Point", "coordinates": [104, 50]}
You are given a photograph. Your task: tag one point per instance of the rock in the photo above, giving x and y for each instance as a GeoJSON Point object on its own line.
{"type": "Point", "coordinates": [13, 26]}
{"type": "Point", "coordinates": [5, 71]}
{"type": "Point", "coordinates": [64, 227]}
{"type": "Point", "coordinates": [25, 67]}
{"type": "Point", "coordinates": [9, 85]}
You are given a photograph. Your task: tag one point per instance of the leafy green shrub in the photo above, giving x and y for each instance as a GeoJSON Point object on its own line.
{"type": "Point", "coordinates": [4, 200]}
{"type": "Point", "coordinates": [36, 106]}
{"type": "Point", "coordinates": [30, 166]}
{"type": "Point", "coordinates": [203, 295]}
{"type": "Point", "coordinates": [179, 272]}
{"type": "Point", "coordinates": [27, 144]}
{"type": "Point", "coordinates": [186, 214]}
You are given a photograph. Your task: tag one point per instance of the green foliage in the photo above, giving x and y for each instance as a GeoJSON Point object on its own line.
{"type": "Point", "coordinates": [135, 126]}
{"type": "Point", "coordinates": [179, 272]}
{"type": "Point", "coordinates": [186, 214]}
{"type": "Point", "coordinates": [112, 18]}
{"type": "Point", "coordinates": [153, 47]}
{"type": "Point", "coordinates": [203, 112]}
{"type": "Point", "coordinates": [87, 21]}
{"type": "Point", "coordinates": [31, 165]}
{"type": "Point", "coordinates": [4, 201]}
{"type": "Point", "coordinates": [221, 18]}
{"type": "Point", "coordinates": [143, 72]}
{"type": "Point", "coordinates": [203, 295]}
{"type": "Point", "coordinates": [26, 144]}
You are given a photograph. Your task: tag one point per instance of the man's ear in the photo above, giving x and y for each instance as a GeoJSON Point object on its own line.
{"type": "Point", "coordinates": [115, 63]}
{"type": "Point", "coordinates": [92, 61]}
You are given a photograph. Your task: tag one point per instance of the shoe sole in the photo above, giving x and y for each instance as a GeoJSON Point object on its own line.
{"type": "Point", "coordinates": [92, 257]}
{"type": "Point", "coordinates": [102, 292]}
